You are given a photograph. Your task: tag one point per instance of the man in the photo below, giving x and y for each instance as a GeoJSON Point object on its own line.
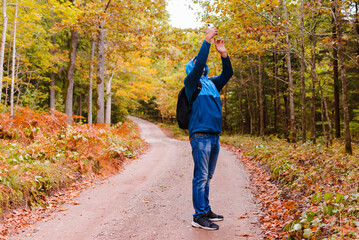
{"type": "Point", "coordinates": [205, 123]}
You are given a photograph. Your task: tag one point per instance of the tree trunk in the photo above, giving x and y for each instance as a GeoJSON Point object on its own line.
{"type": "Point", "coordinates": [248, 103]}
{"type": "Point", "coordinates": [240, 99]}
{"type": "Point", "coordinates": [52, 93]}
{"type": "Point", "coordinates": [260, 88]}
{"type": "Point", "coordinates": [325, 108]}
{"type": "Point", "coordinates": [256, 117]}
{"type": "Point", "coordinates": [250, 113]}
{"type": "Point", "coordinates": [89, 118]}
{"type": "Point", "coordinates": [357, 27]}
{"type": "Point", "coordinates": [276, 92]}
{"type": "Point", "coordinates": [285, 117]}
{"type": "Point", "coordinates": [52, 83]}
{"type": "Point", "coordinates": [338, 24]}
{"type": "Point", "coordinates": [3, 41]}
{"type": "Point", "coordinates": [323, 125]}
{"type": "Point", "coordinates": [290, 76]}
{"type": "Point", "coordinates": [8, 74]}
{"type": "Point", "coordinates": [302, 79]}
{"type": "Point", "coordinates": [101, 75]}
{"type": "Point", "coordinates": [108, 100]}
{"type": "Point", "coordinates": [80, 108]}
{"type": "Point", "coordinates": [225, 122]}
{"type": "Point", "coordinates": [336, 83]}
{"type": "Point", "coordinates": [70, 76]}
{"type": "Point", "coordinates": [13, 65]}
{"type": "Point", "coordinates": [313, 134]}
{"type": "Point", "coordinates": [17, 82]}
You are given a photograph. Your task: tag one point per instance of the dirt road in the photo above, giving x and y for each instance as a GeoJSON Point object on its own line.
{"type": "Point", "coordinates": [151, 199]}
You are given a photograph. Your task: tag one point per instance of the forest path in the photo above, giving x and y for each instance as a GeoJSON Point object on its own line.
{"type": "Point", "coordinates": [152, 199]}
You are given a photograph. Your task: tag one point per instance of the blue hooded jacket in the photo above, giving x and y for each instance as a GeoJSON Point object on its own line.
{"type": "Point", "coordinates": [206, 115]}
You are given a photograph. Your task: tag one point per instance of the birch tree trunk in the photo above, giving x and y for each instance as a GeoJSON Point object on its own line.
{"type": "Point", "coordinates": [302, 79]}
{"type": "Point", "coordinates": [13, 65]}
{"type": "Point", "coordinates": [338, 24]}
{"type": "Point", "coordinates": [290, 76]}
{"type": "Point", "coordinates": [3, 41]}
{"type": "Point", "coordinates": [70, 76]}
{"type": "Point", "coordinates": [89, 117]}
{"type": "Point", "coordinates": [100, 75]}
{"type": "Point", "coordinates": [108, 100]}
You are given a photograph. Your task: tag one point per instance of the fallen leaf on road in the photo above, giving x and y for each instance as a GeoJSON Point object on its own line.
{"type": "Point", "coordinates": [145, 201]}
{"type": "Point", "coordinates": [244, 235]}
{"type": "Point", "coordinates": [243, 216]}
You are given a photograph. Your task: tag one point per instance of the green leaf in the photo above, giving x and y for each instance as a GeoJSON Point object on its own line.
{"type": "Point", "coordinates": [339, 198]}
{"type": "Point", "coordinates": [317, 197]}
{"type": "Point", "coordinates": [328, 196]}
{"type": "Point", "coordinates": [328, 209]}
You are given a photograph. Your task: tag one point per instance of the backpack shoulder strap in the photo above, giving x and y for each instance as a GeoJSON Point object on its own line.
{"type": "Point", "coordinates": [196, 92]}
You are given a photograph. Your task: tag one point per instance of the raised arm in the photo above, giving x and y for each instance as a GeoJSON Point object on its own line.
{"type": "Point", "coordinates": [227, 70]}
{"type": "Point", "coordinates": [193, 77]}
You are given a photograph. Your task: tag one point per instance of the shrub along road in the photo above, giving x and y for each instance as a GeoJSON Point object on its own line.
{"type": "Point", "coordinates": [151, 199]}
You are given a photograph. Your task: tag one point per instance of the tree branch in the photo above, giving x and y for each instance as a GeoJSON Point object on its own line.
{"type": "Point", "coordinates": [108, 4]}
{"type": "Point", "coordinates": [259, 13]}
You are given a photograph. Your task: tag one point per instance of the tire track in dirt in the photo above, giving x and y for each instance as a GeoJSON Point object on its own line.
{"type": "Point", "coordinates": [152, 199]}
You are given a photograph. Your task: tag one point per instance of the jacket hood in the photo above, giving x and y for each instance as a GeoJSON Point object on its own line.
{"type": "Point", "coordinates": [190, 66]}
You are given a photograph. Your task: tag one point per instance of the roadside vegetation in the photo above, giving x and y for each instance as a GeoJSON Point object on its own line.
{"type": "Point", "coordinates": [41, 153]}
{"type": "Point", "coordinates": [320, 183]}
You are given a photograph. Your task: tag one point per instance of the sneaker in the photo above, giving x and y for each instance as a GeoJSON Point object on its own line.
{"type": "Point", "coordinates": [205, 223]}
{"type": "Point", "coordinates": [214, 217]}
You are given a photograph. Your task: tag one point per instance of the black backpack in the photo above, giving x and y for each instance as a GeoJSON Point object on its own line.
{"type": "Point", "coordinates": [184, 108]}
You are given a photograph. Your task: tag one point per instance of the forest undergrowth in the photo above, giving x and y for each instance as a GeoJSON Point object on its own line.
{"type": "Point", "coordinates": [41, 155]}
{"type": "Point", "coordinates": [305, 190]}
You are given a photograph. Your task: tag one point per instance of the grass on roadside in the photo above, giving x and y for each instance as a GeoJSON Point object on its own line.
{"type": "Point", "coordinates": [174, 131]}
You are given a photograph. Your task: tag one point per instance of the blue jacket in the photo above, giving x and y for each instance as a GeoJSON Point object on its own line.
{"type": "Point", "coordinates": [206, 115]}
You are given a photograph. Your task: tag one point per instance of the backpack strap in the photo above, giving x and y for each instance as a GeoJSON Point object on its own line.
{"type": "Point", "coordinates": [196, 92]}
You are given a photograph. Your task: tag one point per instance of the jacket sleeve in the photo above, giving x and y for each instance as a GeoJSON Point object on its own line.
{"type": "Point", "coordinates": [227, 72]}
{"type": "Point", "coordinates": [192, 79]}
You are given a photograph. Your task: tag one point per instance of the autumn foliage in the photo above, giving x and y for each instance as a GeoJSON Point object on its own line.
{"type": "Point", "coordinates": [40, 153]}
{"type": "Point", "coordinates": [306, 191]}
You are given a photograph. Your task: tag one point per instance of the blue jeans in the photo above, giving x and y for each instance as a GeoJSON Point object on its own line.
{"type": "Point", "coordinates": [205, 150]}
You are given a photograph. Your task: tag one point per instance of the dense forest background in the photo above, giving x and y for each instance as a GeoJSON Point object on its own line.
{"type": "Point", "coordinates": [296, 63]}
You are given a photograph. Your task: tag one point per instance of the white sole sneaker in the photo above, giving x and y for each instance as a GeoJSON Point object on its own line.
{"type": "Point", "coordinates": [216, 219]}
{"type": "Point", "coordinates": [196, 225]}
